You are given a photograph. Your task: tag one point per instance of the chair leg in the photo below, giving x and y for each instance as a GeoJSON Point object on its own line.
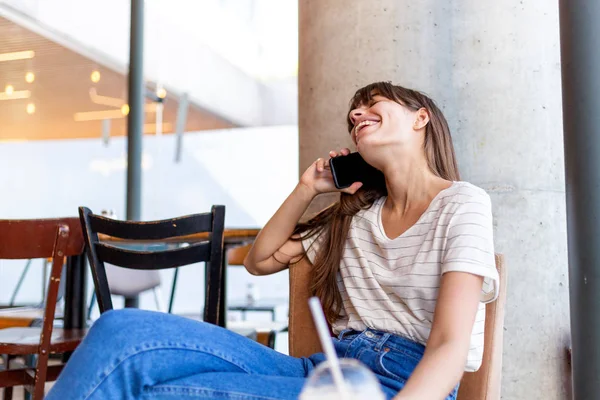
{"type": "Point", "coordinates": [26, 393]}
{"type": "Point", "coordinates": [39, 390]}
{"type": "Point", "coordinates": [8, 393]}
{"type": "Point", "coordinates": [172, 298]}
{"type": "Point", "coordinates": [158, 299]}
{"type": "Point", "coordinates": [40, 364]}
{"type": "Point", "coordinates": [31, 362]}
{"type": "Point", "coordinates": [132, 302]}
{"type": "Point", "coordinates": [272, 337]}
{"type": "Point", "coordinates": [92, 302]}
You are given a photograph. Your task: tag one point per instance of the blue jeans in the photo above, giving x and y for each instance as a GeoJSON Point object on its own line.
{"type": "Point", "coordinates": [135, 354]}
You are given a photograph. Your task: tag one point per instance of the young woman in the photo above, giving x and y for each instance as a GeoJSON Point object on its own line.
{"type": "Point", "coordinates": [403, 272]}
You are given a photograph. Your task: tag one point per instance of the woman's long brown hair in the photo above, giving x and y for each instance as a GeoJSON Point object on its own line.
{"type": "Point", "coordinates": [333, 224]}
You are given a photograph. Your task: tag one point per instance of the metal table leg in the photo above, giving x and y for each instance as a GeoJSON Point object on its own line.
{"type": "Point", "coordinates": [75, 309]}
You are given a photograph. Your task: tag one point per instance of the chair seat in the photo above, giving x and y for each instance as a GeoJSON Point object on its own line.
{"type": "Point", "coordinates": [27, 340]}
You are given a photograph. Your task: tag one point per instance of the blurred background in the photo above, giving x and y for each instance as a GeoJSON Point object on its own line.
{"type": "Point", "coordinates": [240, 96]}
{"type": "Point", "coordinates": [225, 71]}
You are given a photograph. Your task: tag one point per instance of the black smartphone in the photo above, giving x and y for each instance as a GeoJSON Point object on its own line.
{"type": "Point", "coordinates": [353, 168]}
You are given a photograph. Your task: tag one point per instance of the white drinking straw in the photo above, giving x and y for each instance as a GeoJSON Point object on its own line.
{"type": "Point", "coordinates": [330, 355]}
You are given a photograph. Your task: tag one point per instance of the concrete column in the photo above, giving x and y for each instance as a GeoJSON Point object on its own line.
{"type": "Point", "coordinates": [494, 69]}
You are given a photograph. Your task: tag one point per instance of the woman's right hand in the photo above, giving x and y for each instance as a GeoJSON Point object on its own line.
{"type": "Point", "coordinates": [318, 178]}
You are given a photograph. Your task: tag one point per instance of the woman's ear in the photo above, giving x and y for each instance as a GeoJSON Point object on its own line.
{"type": "Point", "coordinates": [422, 119]}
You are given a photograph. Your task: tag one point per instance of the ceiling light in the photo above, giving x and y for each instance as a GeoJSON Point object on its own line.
{"type": "Point", "coordinates": [105, 100]}
{"type": "Point", "coordinates": [97, 115]}
{"type": "Point", "coordinates": [30, 108]}
{"type": "Point", "coordinates": [17, 55]}
{"type": "Point", "coordinates": [95, 77]}
{"type": "Point", "coordinates": [29, 77]}
{"type": "Point", "coordinates": [17, 94]}
{"type": "Point", "coordinates": [161, 93]}
{"type": "Point", "coordinates": [9, 90]}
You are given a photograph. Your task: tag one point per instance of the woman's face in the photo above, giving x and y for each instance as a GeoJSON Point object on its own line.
{"type": "Point", "coordinates": [382, 122]}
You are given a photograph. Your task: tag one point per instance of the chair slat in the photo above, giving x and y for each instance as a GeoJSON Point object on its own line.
{"type": "Point", "coordinates": [15, 377]}
{"type": "Point", "coordinates": [152, 230]}
{"type": "Point", "coordinates": [27, 239]}
{"type": "Point", "coordinates": [147, 260]}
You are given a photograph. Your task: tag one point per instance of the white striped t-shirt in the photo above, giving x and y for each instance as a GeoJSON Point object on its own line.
{"type": "Point", "coordinates": [392, 284]}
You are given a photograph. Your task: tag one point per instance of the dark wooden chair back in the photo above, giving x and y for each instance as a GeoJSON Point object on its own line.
{"type": "Point", "coordinates": [42, 238]}
{"type": "Point", "coordinates": [209, 251]}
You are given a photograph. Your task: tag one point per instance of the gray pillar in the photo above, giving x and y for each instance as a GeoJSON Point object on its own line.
{"type": "Point", "coordinates": [135, 119]}
{"type": "Point", "coordinates": [132, 302]}
{"type": "Point", "coordinates": [494, 69]}
{"type": "Point", "coordinates": [579, 31]}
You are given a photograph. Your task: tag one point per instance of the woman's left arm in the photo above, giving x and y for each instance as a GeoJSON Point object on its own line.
{"type": "Point", "coordinates": [443, 363]}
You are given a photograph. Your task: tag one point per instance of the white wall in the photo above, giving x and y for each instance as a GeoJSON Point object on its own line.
{"type": "Point", "coordinates": [275, 111]}
{"type": "Point", "coordinates": [250, 171]}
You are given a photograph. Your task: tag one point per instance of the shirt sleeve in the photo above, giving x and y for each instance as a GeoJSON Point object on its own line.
{"type": "Point", "coordinates": [470, 244]}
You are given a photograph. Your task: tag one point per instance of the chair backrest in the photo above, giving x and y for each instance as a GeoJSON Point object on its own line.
{"type": "Point", "coordinates": [485, 383]}
{"type": "Point", "coordinates": [22, 239]}
{"type": "Point", "coordinates": [481, 385]}
{"type": "Point", "coordinates": [209, 251]}
{"type": "Point", "coordinates": [54, 238]}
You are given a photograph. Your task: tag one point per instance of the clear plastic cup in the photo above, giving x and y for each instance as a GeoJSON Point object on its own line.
{"type": "Point", "coordinates": [360, 383]}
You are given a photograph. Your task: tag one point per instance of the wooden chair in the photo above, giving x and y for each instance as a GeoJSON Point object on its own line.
{"type": "Point", "coordinates": [481, 385]}
{"type": "Point", "coordinates": [28, 239]}
{"type": "Point", "coordinates": [124, 232]}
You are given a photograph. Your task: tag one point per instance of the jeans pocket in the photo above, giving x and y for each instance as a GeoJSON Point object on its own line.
{"type": "Point", "coordinates": [396, 364]}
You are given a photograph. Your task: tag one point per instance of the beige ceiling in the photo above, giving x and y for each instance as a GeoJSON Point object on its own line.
{"type": "Point", "coordinates": [62, 88]}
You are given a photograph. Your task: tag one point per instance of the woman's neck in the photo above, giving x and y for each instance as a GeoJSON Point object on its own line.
{"type": "Point", "coordinates": [411, 186]}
